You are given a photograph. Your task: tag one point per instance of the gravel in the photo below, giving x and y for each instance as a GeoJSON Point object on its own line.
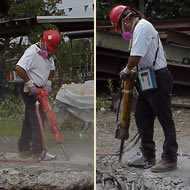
{"type": "Point", "coordinates": [122, 177]}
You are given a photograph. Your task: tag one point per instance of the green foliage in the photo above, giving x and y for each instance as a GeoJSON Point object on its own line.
{"type": "Point", "coordinates": [32, 8]}
{"type": "Point", "coordinates": [11, 107]}
{"type": "Point", "coordinates": [110, 86]}
{"type": "Point", "coordinates": [10, 54]}
{"type": "Point", "coordinates": [10, 127]}
{"type": "Point", "coordinates": [72, 59]}
{"type": "Point", "coordinates": [27, 8]}
{"type": "Point", "coordinates": [102, 102]}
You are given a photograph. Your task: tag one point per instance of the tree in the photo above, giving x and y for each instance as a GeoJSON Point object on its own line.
{"type": "Point", "coordinates": [28, 8]}
{"type": "Point", "coordinates": [74, 60]}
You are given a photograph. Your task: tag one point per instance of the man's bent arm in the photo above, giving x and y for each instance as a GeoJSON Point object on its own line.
{"type": "Point", "coordinates": [22, 73]}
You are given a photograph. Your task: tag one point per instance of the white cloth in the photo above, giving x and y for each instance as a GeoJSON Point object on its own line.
{"type": "Point", "coordinates": [77, 99]}
{"type": "Point", "coordinates": [145, 43]}
{"type": "Point", "coordinates": [36, 67]}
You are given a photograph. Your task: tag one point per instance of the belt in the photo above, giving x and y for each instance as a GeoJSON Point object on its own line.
{"type": "Point", "coordinates": [161, 70]}
{"type": "Point", "coordinates": [38, 86]}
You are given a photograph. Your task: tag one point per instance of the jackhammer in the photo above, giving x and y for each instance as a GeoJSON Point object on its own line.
{"type": "Point", "coordinates": [43, 103]}
{"type": "Point", "coordinates": [42, 97]}
{"type": "Point", "coordinates": [126, 98]}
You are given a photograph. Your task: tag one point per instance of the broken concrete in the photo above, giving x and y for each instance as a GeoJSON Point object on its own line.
{"type": "Point", "coordinates": [71, 170]}
{"type": "Point", "coordinates": [113, 175]}
{"type": "Point", "coordinates": [43, 178]}
{"type": "Point", "coordinates": [138, 179]}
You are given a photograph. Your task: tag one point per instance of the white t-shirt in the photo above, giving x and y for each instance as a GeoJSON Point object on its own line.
{"type": "Point", "coordinates": [145, 43]}
{"type": "Point", "coordinates": [36, 67]}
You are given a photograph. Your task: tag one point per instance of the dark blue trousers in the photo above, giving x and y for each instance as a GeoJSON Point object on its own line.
{"type": "Point", "coordinates": [152, 104]}
{"type": "Point", "coordinates": [30, 139]}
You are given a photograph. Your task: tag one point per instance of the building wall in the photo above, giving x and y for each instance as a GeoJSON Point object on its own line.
{"type": "Point", "coordinates": [76, 8]}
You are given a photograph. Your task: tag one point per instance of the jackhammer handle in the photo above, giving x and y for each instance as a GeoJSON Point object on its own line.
{"type": "Point", "coordinates": [121, 149]}
{"type": "Point", "coordinates": [122, 133]}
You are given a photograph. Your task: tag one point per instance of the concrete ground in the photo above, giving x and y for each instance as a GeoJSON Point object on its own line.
{"type": "Point", "coordinates": [72, 169]}
{"type": "Point", "coordinates": [131, 178]}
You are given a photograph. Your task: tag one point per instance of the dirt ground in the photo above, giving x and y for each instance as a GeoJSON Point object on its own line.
{"type": "Point", "coordinates": [109, 168]}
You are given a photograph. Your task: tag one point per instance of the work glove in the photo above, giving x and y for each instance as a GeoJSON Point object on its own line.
{"type": "Point", "coordinates": [30, 88]}
{"type": "Point", "coordinates": [122, 133]}
{"type": "Point", "coordinates": [125, 74]}
{"type": "Point", "coordinates": [48, 86]}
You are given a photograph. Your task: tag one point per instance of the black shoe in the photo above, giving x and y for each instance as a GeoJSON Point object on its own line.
{"type": "Point", "coordinates": [164, 166]}
{"type": "Point", "coordinates": [141, 162]}
{"type": "Point", "coordinates": [149, 163]}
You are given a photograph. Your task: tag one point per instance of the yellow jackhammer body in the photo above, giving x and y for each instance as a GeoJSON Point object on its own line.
{"type": "Point", "coordinates": [122, 130]}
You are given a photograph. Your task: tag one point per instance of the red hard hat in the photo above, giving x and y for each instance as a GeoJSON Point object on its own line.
{"type": "Point", "coordinates": [115, 14]}
{"type": "Point", "coordinates": [51, 38]}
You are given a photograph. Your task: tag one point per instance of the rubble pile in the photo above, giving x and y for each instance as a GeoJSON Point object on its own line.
{"type": "Point", "coordinates": [42, 179]}
{"type": "Point", "coordinates": [111, 175]}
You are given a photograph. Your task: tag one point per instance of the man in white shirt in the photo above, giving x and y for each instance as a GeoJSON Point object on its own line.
{"type": "Point", "coordinates": [147, 55]}
{"type": "Point", "coordinates": [36, 67]}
